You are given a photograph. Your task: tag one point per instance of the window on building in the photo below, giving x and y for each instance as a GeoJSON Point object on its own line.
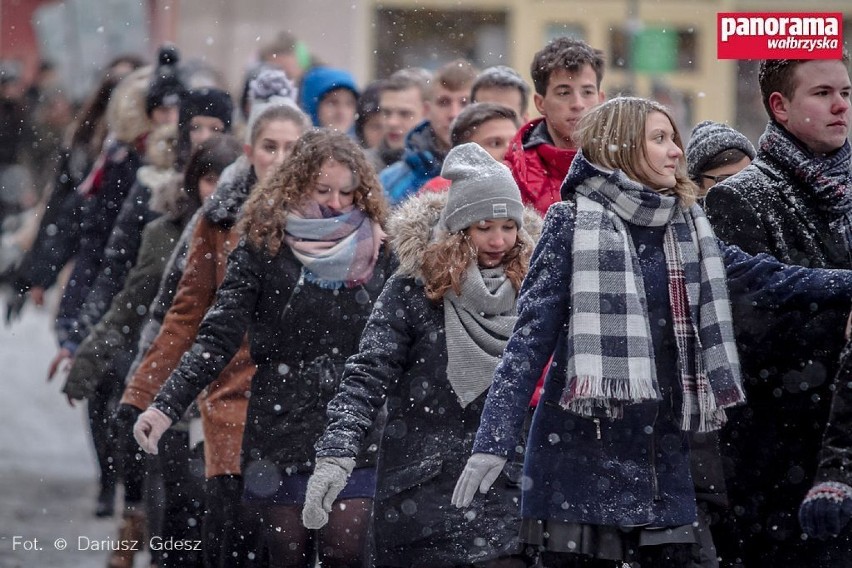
{"type": "Point", "coordinates": [429, 38]}
{"type": "Point", "coordinates": [653, 49]}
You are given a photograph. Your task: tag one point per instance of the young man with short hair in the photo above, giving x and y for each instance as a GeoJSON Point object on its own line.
{"type": "Point", "coordinates": [491, 125]}
{"type": "Point", "coordinates": [402, 106]}
{"type": "Point", "coordinates": [567, 76]}
{"type": "Point", "coordinates": [428, 143]}
{"type": "Point", "coordinates": [502, 85]}
{"type": "Point", "coordinates": [793, 202]}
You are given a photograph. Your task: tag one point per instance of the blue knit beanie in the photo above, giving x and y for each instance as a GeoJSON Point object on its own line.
{"type": "Point", "coordinates": [318, 82]}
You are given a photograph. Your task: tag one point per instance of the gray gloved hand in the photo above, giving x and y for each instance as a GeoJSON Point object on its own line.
{"type": "Point", "coordinates": [480, 471]}
{"type": "Point", "coordinates": [325, 484]}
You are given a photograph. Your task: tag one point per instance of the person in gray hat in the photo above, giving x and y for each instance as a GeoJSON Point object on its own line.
{"type": "Point", "coordinates": [715, 152]}
{"type": "Point", "coordinates": [430, 349]}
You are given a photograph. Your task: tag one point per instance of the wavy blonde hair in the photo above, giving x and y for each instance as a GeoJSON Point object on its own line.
{"type": "Point", "coordinates": [265, 212]}
{"type": "Point", "coordinates": [612, 135]}
{"type": "Point", "coordinates": [445, 263]}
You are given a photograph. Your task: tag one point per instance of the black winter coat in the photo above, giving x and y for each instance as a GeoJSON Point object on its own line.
{"type": "Point", "coordinates": [99, 212]}
{"type": "Point", "coordinates": [300, 336]}
{"type": "Point", "coordinates": [426, 443]}
{"type": "Point", "coordinates": [119, 256]}
{"type": "Point", "coordinates": [58, 236]}
{"type": "Point", "coordinates": [770, 446]}
{"type": "Point", "coordinates": [402, 360]}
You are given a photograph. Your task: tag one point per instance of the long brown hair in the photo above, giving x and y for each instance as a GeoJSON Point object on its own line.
{"type": "Point", "coordinates": [265, 212]}
{"type": "Point", "coordinates": [445, 263]}
{"type": "Point", "coordinates": [612, 135]}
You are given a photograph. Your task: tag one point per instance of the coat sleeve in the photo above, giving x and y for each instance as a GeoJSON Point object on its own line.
{"type": "Point", "coordinates": [835, 457]}
{"type": "Point", "coordinates": [58, 234]}
{"type": "Point", "coordinates": [120, 326]}
{"type": "Point", "coordinates": [194, 295]}
{"type": "Point", "coordinates": [735, 220]}
{"type": "Point", "coordinates": [119, 256]}
{"type": "Point", "coordinates": [220, 334]}
{"type": "Point", "coordinates": [543, 312]}
{"type": "Point", "coordinates": [172, 274]}
{"type": "Point", "coordinates": [765, 282]}
{"type": "Point", "coordinates": [380, 361]}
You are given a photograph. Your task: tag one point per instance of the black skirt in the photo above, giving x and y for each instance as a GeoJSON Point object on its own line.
{"type": "Point", "coordinates": [614, 543]}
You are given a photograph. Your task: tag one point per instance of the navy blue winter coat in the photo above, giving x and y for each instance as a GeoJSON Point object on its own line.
{"type": "Point", "coordinates": [632, 471]}
{"type": "Point", "coordinates": [421, 161]}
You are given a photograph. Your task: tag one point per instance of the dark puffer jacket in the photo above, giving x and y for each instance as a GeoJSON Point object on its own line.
{"type": "Point", "coordinates": [403, 359]}
{"type": "Point", "coordinates": [299, 335]}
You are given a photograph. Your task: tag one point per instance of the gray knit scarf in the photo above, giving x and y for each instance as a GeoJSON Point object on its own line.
{"type": "Point", "coordinates": [477, 324]}
{"type": "Point", "coordinates": [829, 178]}
{"type": "Point", "coordinates": [610, 355]}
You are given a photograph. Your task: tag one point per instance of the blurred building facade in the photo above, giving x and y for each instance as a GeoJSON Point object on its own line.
{"type": "Point", "coordinates": [664, 49]}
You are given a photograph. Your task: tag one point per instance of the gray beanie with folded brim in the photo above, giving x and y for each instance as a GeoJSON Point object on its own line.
{"type": "Point", "coordinates": [481, 189]}
{"type": "Point", "coordinates": [708, 140]}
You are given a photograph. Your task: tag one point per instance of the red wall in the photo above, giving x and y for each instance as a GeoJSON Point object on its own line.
{"type": "Point", "coordinates": [17, 37]}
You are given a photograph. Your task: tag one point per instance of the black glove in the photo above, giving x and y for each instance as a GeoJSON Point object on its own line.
{"type": "Point", "coordinates": [15, 302]}
{"type": "Point", "coordinates": [123, 418]}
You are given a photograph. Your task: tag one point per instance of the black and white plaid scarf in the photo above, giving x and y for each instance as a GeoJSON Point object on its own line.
{"type": "Point", "coordinates": [610, 355]}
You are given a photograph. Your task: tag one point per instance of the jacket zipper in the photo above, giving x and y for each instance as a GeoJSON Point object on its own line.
{"type": "Point", "coordinates": [655, 484]}
{"type": "Point", "coordinates": [597, 422]}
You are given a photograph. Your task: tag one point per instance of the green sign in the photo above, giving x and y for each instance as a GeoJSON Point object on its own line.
{"type": "Point", "coordinates": [655, 50]}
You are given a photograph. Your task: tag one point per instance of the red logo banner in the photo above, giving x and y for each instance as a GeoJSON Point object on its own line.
{"type": "Point", "coordinates": [779, 35]}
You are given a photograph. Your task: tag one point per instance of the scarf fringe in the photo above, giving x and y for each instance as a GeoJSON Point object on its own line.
{"type": "Point", "coordinates": [589, 395]}
{"type": "Point", "coordinates": [634, 390]}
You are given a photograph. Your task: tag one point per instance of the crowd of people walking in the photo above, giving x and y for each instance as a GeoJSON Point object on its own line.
{"type": "Point", "coordinates": [405, 325]}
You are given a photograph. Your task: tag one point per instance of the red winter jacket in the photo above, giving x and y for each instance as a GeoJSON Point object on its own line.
{"type": "Point", "coordinates": [538, 166]}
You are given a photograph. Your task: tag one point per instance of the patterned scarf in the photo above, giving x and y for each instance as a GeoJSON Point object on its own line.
{"type": "Point", "coordinates": [336, 250]}
{"type": "Point", "coordinates": [829, 179]}
{"type": "Point", "coordinates": [477, 324]}
{"type": "Point", "coordinates": [611, 356]}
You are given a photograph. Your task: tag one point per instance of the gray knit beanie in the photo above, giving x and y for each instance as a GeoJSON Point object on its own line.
{"type": "Point", "coordinates": [482, 188]}
{"type": "Point", "coordinates": [710, 139]}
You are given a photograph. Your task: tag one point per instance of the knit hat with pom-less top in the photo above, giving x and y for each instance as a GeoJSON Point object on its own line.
{"type": "Point", "coordinates": [481, 189]}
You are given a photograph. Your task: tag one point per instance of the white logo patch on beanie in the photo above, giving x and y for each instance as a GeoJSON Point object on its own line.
{"type": "Point", "coordinates": [499, 210]}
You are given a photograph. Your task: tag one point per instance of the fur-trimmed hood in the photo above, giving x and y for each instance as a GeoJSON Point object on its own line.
{"type": "Point", "coordinates": [235, 183]}
{"type": "Point", "coordinates": [413, 225]}
{"type": "Point", "coordinates": [170, 200]}
{"type": "Point", "coordinates": [126, 117]}
{"type": "Point", "coordinates": [160, 156]}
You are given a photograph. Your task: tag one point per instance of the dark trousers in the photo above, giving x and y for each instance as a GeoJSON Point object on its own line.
{"type": "Point", "coordinates": [183, 506]}
{"type": "Point", "coordinates": [100, 408]}
{"type": "Point", "coordinates": [231, 534]}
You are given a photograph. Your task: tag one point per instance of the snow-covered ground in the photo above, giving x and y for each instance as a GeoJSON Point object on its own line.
{"type": "Point", "coordinates": [47, 466]}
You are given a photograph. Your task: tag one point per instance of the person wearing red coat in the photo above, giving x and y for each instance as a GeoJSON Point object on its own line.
{"type": "Point", "coordinates": [567, 76]}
